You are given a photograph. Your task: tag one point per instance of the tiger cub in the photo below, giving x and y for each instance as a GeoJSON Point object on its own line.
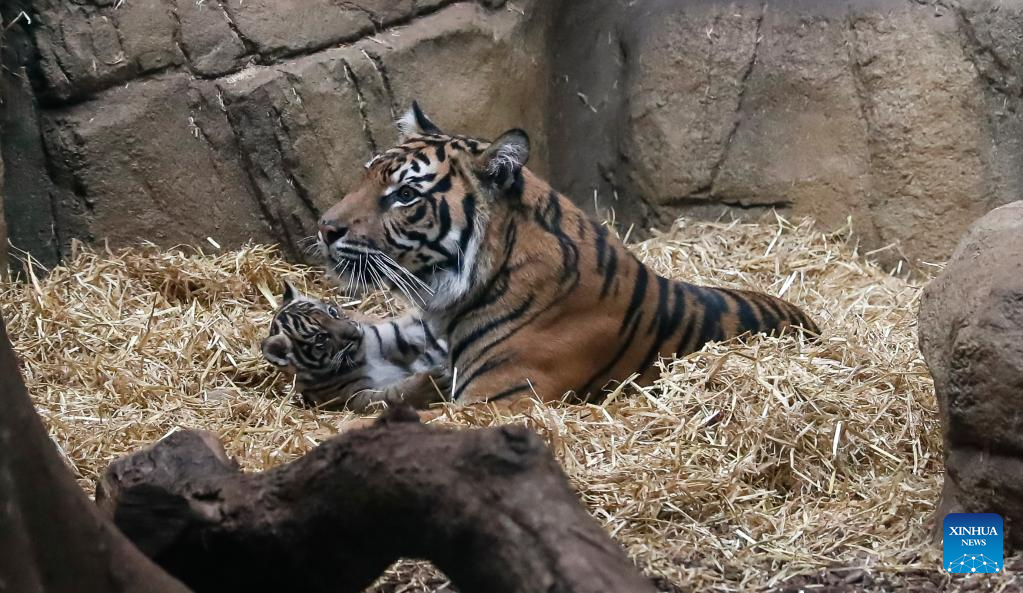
{"type": "Point", "coordinates": [339, 362]}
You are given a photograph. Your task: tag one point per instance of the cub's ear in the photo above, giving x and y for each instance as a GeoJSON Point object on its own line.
{"type": "Point", "coordinates": [290, 293]}
{"type": "Point", "coordinates": [504, 158]}
{"type": "Point", "coordinates": [415, 123]}
{"type": "Point", "coordinates": [276, 349]}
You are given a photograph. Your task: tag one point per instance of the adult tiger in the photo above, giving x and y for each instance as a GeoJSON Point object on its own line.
{"type": "Point", "coordinates": [339, 361]}
{"type": "Point", "coordinates": [531, 295]}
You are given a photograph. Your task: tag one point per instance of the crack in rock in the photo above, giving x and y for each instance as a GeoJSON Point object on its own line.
{"type": "Point", "coordinates": [378, 65]}
{"type": "Point", "coordinates": [361, 102]}
{"type": "Point", "coordinates": [740, 101]}
{"type": "Point", "coordinates": [251, 49]}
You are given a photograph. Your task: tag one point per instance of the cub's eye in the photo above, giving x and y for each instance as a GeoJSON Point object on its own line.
{"type": "Point", "coordinates": [405, 196]}
{"type": "Point", "coordinates": [320, 339]}
{"type": "Point", "coordinates": [333, 312]}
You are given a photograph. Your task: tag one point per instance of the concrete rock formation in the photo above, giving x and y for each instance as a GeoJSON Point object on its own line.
{"type": "Point", "coordinates": [971, 334]}
{"type": "Point", "coordinates": [177, 120]}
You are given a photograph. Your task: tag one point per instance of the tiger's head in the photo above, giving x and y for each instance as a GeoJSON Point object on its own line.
{"type": "Point", "coordinates": [311, 339]}
{"type": "Point", "coordinates": [417, 219]}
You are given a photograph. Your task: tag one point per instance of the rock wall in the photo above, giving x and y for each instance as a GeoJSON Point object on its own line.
{"type": "Point", "coordinates": [901, 114]}
{"type": "Point", "coordinates": [177, 120]}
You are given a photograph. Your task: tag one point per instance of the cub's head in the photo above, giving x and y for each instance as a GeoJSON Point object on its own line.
{"type": "Point", "coordinates": [309, 338]}
{"type": "Point", "coordinates": [416, 220]}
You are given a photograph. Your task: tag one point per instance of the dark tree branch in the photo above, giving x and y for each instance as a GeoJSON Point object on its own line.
{"type": "Point", "coordinates": [491, 508]}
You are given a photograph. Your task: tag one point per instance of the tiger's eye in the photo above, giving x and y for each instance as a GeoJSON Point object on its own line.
{"type": "Point", "coordinates": [406, 193]}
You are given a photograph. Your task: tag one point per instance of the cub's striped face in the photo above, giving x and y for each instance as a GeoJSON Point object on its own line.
{"type": "Point", "coordinates": [308, 337]}
{"type": "Point", "coordinates": [418, 214]}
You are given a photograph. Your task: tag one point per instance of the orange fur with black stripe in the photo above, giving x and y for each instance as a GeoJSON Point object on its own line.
{"type": "Point", "coordinates": [532, 296]}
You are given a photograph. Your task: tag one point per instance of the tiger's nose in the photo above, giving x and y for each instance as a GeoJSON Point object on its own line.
{"type": "Point", "coordinates": [331, 232]}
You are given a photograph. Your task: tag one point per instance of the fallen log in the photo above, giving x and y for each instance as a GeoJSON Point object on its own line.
{"type": "Point", "coordinates": [52, 538]}
{"type": "Point", "coordinates": [491, 508]}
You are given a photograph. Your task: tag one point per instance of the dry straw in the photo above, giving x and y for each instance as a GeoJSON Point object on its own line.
{"type": "Point", "coordinates": [747, 463]}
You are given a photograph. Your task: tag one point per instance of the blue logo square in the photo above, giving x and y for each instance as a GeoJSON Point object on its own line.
{"type": "Point", "coordinates": [972, 542]}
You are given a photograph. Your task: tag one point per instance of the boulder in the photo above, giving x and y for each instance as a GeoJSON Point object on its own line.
{"type": "Point", "coordinates": [800, 141]}
{"type": "Point", "coordinates": [971, 335]}
{"type": "Point", "coordinates": [147, 29]}
{"type": "Point", "coordinates": [927, 125]}
{"type": "Point", "coordinates": [80, 50]}
{"type": "Point", "coordinates": [84, 48]}
{"type": "Point", "coordinates": [684, 90]}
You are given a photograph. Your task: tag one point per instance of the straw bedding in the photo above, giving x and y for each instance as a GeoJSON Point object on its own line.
{"type": "Point", "coordinates": [747, 463]}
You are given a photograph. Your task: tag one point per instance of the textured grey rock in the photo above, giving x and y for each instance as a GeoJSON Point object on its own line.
{"type": "Point", "coordinates": [879, 109]}
{"type": "Point", "coordinates": [304, 131]}
{"type": "Point", "coordinates": [927, 126]}
{"type": "Point", "coordinates": [147, 30]}
{"type": "Point", "coordinates": [971, 334]}
{"type": "Point", "coordinates": [207, 38]}
{"type": "Point", "coordinates": [80, 50]}
{"type": "Point", "coordinates": [684, 93]}
{"type": "Point", "coordinates": [28, 189]}
{"type": "Point", "coordinates": [800, 139]}
{"type": "Point", "coordinates": [287, 27]}
{"type": "Point", "coordinates": [87, 47]}
{"type": "Point", "coordinates": [479, 72]}
{"type": "Point", "coordinates": [154, 161]}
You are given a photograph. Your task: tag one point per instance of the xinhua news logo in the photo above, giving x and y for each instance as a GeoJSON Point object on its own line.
{"type": "Point", "coordinates": [972, 542]}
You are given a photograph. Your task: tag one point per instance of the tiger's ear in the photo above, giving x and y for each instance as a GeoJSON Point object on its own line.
{"type": "Point", "coordinates": [290, 293]}
{"type": "Point", "coordinates": [415, 123]}
{"type": "Point", "coordinates": [504, 158]}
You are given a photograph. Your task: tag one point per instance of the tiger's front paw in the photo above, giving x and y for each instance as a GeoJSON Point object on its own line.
{"type": "Point", "coordinates": [440, 379]}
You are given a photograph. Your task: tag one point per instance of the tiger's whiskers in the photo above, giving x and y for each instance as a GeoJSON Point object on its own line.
{"type": "Point", "coordinates": [389, 274]}
{"type": "Point", "coordinates": [403, 271]}
{"type": "Point", "coordinates": [394, 274]}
